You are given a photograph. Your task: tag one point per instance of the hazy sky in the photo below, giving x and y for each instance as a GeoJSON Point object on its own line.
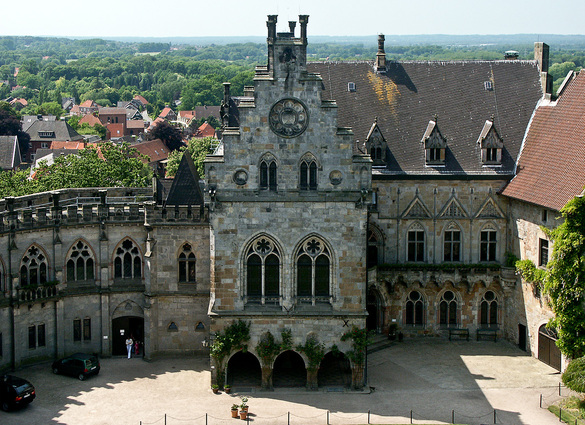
{"type": "Point", "coordinates": [193, 18]}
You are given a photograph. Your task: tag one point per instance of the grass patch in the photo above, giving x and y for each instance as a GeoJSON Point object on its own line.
{"type": "Point", "coordinates": [571, 411]}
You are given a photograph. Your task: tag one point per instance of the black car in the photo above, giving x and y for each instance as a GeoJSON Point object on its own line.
{"type": "Point", "coordinates": [15, 392]}
{"type": "Point", "coordinates": [79, 365]}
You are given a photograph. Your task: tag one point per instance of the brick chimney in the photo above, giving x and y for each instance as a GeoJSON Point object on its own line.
{"type": "Point", "coordinates": [541, 56]}
{"type": "Point", "coordinates": [380, 66]}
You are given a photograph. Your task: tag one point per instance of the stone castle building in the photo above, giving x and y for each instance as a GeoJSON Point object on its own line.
{"type": "Point", "coordinates": [342, 195]}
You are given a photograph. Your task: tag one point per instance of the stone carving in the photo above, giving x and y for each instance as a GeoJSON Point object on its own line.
{"type": "Point", "coordinates": [288, 118]}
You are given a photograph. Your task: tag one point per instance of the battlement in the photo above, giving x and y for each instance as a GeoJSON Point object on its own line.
{"type": "Point", "coordinates": [91, 206]}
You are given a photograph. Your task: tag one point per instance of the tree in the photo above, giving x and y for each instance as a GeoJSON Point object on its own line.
{"type": "Point", "coordinates": [10, 126]}
{"type": "Point", "coordinates": [574, 376]}
{"type": "Point", "coordinates": [198, 149]}
{"type": "Point", "coordinates": [564, 281]}
{"type": "Point", "coordinates": [169, 134]}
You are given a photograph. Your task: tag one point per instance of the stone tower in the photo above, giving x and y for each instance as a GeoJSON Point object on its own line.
{"type": "Point", "coordinates": [287, 193]}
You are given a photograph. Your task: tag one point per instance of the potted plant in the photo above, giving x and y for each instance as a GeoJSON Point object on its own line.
{"type": "Point", "coordinates": [243, 414]}
{"type": "Point", "coordinates": [227, 388]}
{"type": "Point", "coordinates": [244, 405]}
{"type": "Point", "coordinates": [235, 408]}
{"type": "Point", "coordinates": [215, 388]}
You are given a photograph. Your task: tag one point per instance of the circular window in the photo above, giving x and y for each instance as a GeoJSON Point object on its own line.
{"type": "Point", "coordinates": [335, 177]}
{"type": "Point", "coordinates": [288, 118]}
{"type": "Point", "coordinates": [240, 177]}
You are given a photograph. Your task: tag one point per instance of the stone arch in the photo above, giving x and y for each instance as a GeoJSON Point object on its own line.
{"type": "Point", "coordinates": [243, 369]}
{"type": "Point", "coordinates": [335, 370]}
{"type": "Point", "coordinates": [446, 316]}
{"type": "Point", "coordinates": [490, 309]}
{"type": "Point", "coordinates": [127, 320]}
{"type": "Point", "coordinates": [81, 244]}
{"type": "Point", "coordinates": [414, 310]}
{"type": "Point", "coordinates": [376, 243]}
{"type": "Point", "coordinates": [289, 370]}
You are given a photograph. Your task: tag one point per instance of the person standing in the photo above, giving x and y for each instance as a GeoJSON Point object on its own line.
{"type": "Point", "coordinates": [129, 344]}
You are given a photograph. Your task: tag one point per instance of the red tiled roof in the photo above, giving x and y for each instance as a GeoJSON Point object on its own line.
{"type": "Point", "coordinates": [205, 130]}
{"type": "Point", "coordinates": [116, 130]}
{"type": "Point", "coordinates": [165, 112]}
{"type": "Point", "coordinates": [135, 124]}
{"type": "Point", "coordinates": [90, 119]}
{"type": "Point", "coordinates": [67, 145]}
{"type": "Point", "coordinates": [551, 168]}
{"type": "Point", "coordinates": [140, 98]}
{"type": "Point", "coordinates": [87, 104]}
{"type": "Point", "coordinates": [155, 123]}
{"type": "Point", "coordinates": [155, 149]}
{"type": "Point", "coordinates": [187, 114]}
{"type": "Point", "coordinates": [75, 110]}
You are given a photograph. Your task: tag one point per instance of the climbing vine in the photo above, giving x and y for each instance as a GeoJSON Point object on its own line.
{"type": "Point", "coordinates": [233, 337]}
{"type": "Point", "coordinates": [360, 339]}
{"type": "Point", "coordinates": [564, 282]}
{"type": "Point", "coordinates": [314, 350]}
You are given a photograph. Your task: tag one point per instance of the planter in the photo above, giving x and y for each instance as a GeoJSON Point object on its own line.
{"type": "Point", "coordinates": [243, 414]}
{"type": "Point", "coordinates": [215, 390]}
{"type": "Point", "coordinates": [227, 390]}
{"type": "Point", "coordinates": [235, 413]}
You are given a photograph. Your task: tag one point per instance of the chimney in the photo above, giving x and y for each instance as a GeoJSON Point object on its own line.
{"type": "Point", "coordinates": [291, 26]}
{"type": "Point", "coordinates": [541, 56]}
{"type": "Point", "coordinates": [303, 20]}
{"type": "Point", "coordinates": [225, 105]}
{"type": "Point", "coordinates": [380, 66]}
{"type": "Point", "coordinates": [271, 24]}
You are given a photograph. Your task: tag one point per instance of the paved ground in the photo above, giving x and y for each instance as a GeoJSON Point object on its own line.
{"type": "Point", "coordinates": [431, 377]}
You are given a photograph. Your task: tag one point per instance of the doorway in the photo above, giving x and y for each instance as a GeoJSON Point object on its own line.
{"type": "Point", "coordinates": [373, 306]}
{"type": "Point", "coordinates": [122, 328]}
{"type": "Point", "coordinates": [522, 337]}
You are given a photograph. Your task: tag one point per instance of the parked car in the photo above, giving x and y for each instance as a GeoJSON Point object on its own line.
{"type": "Point", "coordinates": [79, 365]}
{"type": "Point", "coordinates": [15, 392]}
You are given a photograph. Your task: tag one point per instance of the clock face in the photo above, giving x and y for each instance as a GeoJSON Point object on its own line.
{"type": "Point", "coordinates": [288, 118]}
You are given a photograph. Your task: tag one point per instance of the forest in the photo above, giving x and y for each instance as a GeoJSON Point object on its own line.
{"type": "Point", "coordinates": [107, 71]}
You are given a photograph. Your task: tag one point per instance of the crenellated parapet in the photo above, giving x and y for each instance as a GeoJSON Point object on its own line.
{"type": "Point", "coordinates": [91, 206]}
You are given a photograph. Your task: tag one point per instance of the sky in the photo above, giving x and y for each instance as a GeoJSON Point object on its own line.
{"type": "Point", "coordinates": [196, 18]}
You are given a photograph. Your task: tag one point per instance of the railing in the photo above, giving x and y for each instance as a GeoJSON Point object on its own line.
{"type": "Point", "coordinates": [38, 293]}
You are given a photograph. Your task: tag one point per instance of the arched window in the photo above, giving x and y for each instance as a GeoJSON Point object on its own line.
{"type": "Point", "coordinates": [415, 309]}
{"type": "Point", "coordinates": [263, 272]}
{"type": "Point", "coordinates": [187, 263]}
{"type": "Point", "coordinates": [448, 309]}
{"type": "Point", "coordinates": [488, 317]}
{"type": "Point", "coordinates": [375, 254]}
{"type": "Point", "coordinates": [416, 243]}
{"type": "Point", "coordinates": [313, 262]}
{"type": "Point", "coordinates": [452, 243]}
{"type": "Point", "coordinates": [308, 173]}
{"type": "Point", "coordinates": [33, 267]}
{"type": "Point", "coordinates": [81, 264]}
{"type": "Point", "coordinates": [488, 244]}
{"type": "Point", "coordinates": [127, 261]}
{"type": "Point", "coordinates": [268, 173]}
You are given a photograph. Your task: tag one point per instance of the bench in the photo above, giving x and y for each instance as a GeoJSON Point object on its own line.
{"type": "Point", "coordinates": [460, 332]}
{"type": "Point", "coordinates": [490, 333]}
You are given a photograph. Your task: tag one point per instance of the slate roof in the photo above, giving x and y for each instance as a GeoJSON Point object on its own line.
{"type": "Point", "coordinates": [28, 120]}
{"type": "Point", "coordinates": [410, 94]}
{"type": "Point", "coordinates": [551, 168]}
{"type": "Point", "coordinates": [185, 189]}
{"type": "Point", "coordinates": [62, 131]}
{"type": "Point", "coordinates": [9, 152]}
{"type": "Point", "coordinates": [207, 111]}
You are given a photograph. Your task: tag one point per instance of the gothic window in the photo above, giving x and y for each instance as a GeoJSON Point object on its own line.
{"type": "Point", "coordinates": [414, 309]}
{"type": "Point", "coordinates": [263, 272]}
{"type": "Point", "coordinates": [416, 244]}
{"type": "Point", "coordinates": [308, 177]}
{"type": "Point", "coordinates": [452, 244]}
{"type": "Point", "coordinates": [489, 310]}
{"type": "Point", "coordinates": [127, 261]}
{"type": "Point", "coordinates": [313, 262]}
{"type": "Point", "coordinates": [187, 263]}
{"type": "Point", "coordinates": [448, 309]}
{"type": "Point", "coordinates": [487, 245]}
{"type": "Point", "coordinates": [268, 173]}
{"type": "Point", "coordinates": [375, 247]}
{"type": "Point", "coordinates": [33, 267]}
{"type": "Point", "coordinates": [81, 264]}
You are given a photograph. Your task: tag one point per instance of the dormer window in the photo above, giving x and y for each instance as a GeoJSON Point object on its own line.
{"type": "Point", "coordinates": [376, 144]}
{"type": "Point", "coordinates": [46, 134]}
{"type": "Point", "coordinates": [435, 145]}
{"type": "Point", "coordinates": [350, 87]}
{"type": "Point", "coordinates": [491, 144]}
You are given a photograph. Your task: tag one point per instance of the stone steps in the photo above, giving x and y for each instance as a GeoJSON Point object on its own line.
{"type": "Point", "coordinates": [379, 342]}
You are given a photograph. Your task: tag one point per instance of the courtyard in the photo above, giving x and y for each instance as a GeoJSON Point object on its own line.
{"type": "Point", "coordinates": [433, 378]}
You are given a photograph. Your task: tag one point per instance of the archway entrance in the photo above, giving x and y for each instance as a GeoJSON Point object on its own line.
{"type": "Point", "coordinates": [125, 326]}
{"type": "Point", "coordinates": [289, 370]}
{"type": "Point", "coordinates": [548, 352]}
{"type": "Point", "coordinates": [335, 371]}
{"type": "Point", "coordinates": [373, 305]}
{"type": "Point", "coordinates": [243, 370]}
